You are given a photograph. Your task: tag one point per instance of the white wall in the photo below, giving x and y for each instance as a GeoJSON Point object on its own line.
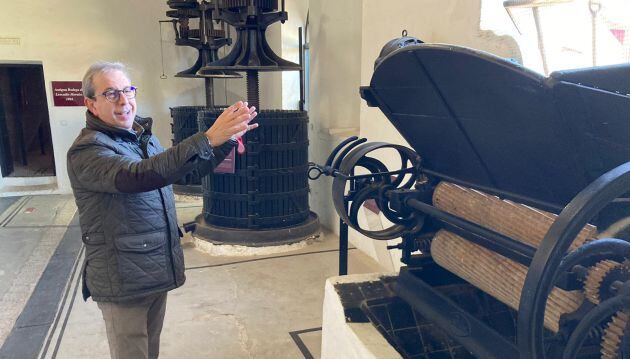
{"type": "Point", "coordinates": [271, 82]}
{"type": "Point", "coordinates": [335, 46]}
{"type": "Point", "coordinates": [297, 10]}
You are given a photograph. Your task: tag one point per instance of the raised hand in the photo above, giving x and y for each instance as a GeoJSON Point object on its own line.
{"type": "Point", "coordinates": [252, 115]}
{"type": "Point", "coordinates": [234, 121]}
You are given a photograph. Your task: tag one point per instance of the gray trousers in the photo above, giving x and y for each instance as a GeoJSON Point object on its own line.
{"type": "Point", "coordinates": [134, 327]}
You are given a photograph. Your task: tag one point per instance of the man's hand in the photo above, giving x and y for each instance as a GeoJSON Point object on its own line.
{"type": "Point", "coordinates": [234, 121]}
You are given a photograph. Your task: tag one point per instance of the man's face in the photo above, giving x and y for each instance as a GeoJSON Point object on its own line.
{"type": "Point", "coordinates": [120, 113]}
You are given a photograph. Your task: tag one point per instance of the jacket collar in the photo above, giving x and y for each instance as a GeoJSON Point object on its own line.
{"type": "Point", "coordinates": [141, 126]}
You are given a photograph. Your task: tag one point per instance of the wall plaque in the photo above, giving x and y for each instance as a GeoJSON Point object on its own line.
{"type": "Point", "coordinates": [67, 93]}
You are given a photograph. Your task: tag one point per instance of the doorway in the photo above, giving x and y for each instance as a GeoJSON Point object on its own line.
{"type": "Point", "coordinates": [25, 139]}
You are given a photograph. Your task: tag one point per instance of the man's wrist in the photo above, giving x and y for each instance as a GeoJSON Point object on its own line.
{"type": "Point", "coordinates": [211, 140]}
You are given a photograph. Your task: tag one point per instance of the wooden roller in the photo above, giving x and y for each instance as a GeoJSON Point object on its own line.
{"type": "Point", "coordinates": [520, 222]}
{"type": "Point", "coordinates": [494, 274]}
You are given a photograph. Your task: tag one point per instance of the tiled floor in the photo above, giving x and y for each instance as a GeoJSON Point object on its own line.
{"type": "Point", "coordinates": [230, 307]}
{"type": "Point", "coordinates": [31, 228]}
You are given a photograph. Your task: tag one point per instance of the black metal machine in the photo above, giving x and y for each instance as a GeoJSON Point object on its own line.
{"type": "Point", "coordinates": [516, 183]}
{"type": "Point", "coordinates": [262, 200]}
{"type": "Point", "coordinates": [206, 38]}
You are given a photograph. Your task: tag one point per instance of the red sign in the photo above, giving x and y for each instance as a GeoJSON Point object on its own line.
{"type": "Point", "coordinates": [620, 34]}
{"type": "Point", "coordinates": [228, 165]}
{"type": "Point", "coordinates": [67, 93]}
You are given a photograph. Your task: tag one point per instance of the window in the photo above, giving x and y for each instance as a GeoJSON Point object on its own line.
{"type": "Point", "coordinates": [563, 34]}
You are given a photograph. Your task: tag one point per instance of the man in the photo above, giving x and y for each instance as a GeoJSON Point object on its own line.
{"type": "Point", "coordinates": [121, 177]}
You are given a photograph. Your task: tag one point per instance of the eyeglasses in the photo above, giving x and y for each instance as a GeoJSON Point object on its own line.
{"type": "Point", "coordinates": [114, 95]}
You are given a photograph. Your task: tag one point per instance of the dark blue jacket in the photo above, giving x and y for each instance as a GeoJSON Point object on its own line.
{"type": "Point", "coordinates": [121, 182]}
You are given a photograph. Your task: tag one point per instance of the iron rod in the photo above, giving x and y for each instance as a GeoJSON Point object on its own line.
{"type": "Point", "coordinates": [209, 92]}
{"type": "Point", "coordinates": [487, 238]}
{"type": "Point", "coordinates": [551, 207]}
{"type": "Point", "coordinates": [343, 247]}
{"type": "Point", "coordinates": [206, 57]}
{"type": "Point", "coordinates": [302, 100]}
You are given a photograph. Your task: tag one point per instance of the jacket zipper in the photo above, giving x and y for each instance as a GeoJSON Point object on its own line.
{"type": "Point", "coordinates": [144, 143]}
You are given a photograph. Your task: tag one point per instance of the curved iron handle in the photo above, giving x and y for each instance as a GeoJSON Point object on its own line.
{"type": "Point", "coordinates": [327, 169]}
{"type": "Point", "coordinates": [334, 152]}
{"type": "Point", "coordinates": [588, 255]}
{"type": "Point", "coordinates": [345, 151]}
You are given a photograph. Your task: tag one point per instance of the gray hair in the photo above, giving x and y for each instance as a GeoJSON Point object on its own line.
{"type": "Point", "coordinates": [100, 67]}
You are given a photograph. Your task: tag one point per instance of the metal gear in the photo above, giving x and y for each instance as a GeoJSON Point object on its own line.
{"type": "Point", "coordinates": [614, 334]}
{"type": "Point", "coordinates": [183, 13]}
{"type": "Point", "coordinates": [194, 33]}
{"type": "Point", "coordinates": [182, 4]}
{"type": "Point", "coordinates": [216, 33]}
{"type": "Point", "coordinates": [595, 277]}
{"type": "Point", "coordinates": [265, 5]}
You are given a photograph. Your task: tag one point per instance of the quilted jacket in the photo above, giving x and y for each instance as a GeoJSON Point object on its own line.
{"type": "Point", "coordinates": [121, 183]}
